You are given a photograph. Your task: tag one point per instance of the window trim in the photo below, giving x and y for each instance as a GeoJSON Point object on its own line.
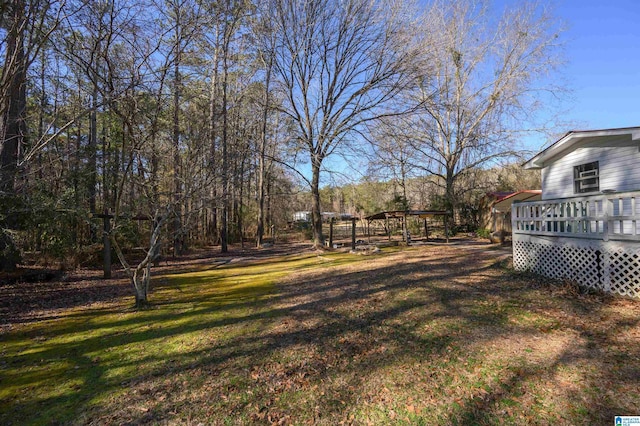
{"type": "Point", "coordinates": [586, 178]}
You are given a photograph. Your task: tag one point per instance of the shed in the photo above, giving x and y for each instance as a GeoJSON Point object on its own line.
{"type": "Point", "coordinates": [500, 208]}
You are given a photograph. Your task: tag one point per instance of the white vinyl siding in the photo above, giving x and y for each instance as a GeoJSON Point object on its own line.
{"type": "Point", "coordinates": [619, 164]}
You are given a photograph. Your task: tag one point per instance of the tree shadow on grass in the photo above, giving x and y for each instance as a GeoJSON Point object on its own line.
{"type": "Point", "coordinates": [270, 354]}
{"type": "Point", "coordinates": [26, 302]}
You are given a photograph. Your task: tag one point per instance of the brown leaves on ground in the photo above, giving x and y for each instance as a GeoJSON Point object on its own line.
{"type": "Point", "coordinates": [432, 335]}
{"type": "Point", "coordinates": [23, 300]}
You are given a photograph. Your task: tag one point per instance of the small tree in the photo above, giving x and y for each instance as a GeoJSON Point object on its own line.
{"type": "Point", "coordinates": [140, 275]}
{"type": "Point", "coordinates": [137, 99]}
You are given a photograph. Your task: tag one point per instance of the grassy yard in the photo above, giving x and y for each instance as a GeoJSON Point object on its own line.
{"type": "Point", "coordinates": [431, 335]}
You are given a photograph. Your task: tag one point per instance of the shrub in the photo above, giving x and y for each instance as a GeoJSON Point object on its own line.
{"type": "Point", "coordinates": [483, 233]}
{"type": "Point", "coordinates": [9, 254]}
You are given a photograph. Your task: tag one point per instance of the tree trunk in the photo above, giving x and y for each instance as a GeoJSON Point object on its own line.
{"type": "Point", "coordinates": [262, 155]}
{"type": "Point", "coordinates": [316, 212]}
{"type": "Point", "coordinates": [178, 237]}
{"type": "Point", "coordinates": [140, 277]}
{"type": "Point", "coordinates": [224, 227]}
{"type": "Point", "coordinates": [9, 254]}
{"type": "Point", "coordinates": [140, 280]}
{"type": "Point", "coordinates": [240, 203]}
{"type": "Point", "coordinates": [75, 165]}
{"type": "Point", "coordinates": [43, 106]}
{"type": "Point", "coordinates": [269, 210]}
{"type": "Point", "coordinates": [13, 135]}
{"type": "Point", "coordinates": [106, 164]}
{"type": "Point", "coordinates": [213, 222]}
{"type": "Point", "coordinates": [92, 160]}
{"type": "Point", "coordinates": [13, 129]}
{"type": "Point", "coordinates": [450, 197]}
{"type": "Point", "coordinates": [261, 193]}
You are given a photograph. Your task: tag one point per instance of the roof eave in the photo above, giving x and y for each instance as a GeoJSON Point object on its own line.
{"type": "Point", "coordinates": [533, 164]}
{"type": "Point", "coordinates": [573, 137]}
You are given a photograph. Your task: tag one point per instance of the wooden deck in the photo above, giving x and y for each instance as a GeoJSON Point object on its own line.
{"type": "Point", "coordinates": [606, 217]}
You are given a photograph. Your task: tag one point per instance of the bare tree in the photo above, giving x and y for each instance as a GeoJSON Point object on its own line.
{"type": "Point", "coordinates": [135, 90]}
{"type": "Point", "coordinates": [228, 19]}
{"type": "Point", "coordinates": [124, 113]}
{"type": "Point", "coordinates": [484, 85]}
{"type": "Point", "coordinates": [265, 36]}
{"type": "Point", "coordinates": [183, 18]}
{"type": "Point", "coordinates": [338, 63]}
{"type": "Point", "coordinates": [393, 154]}
{"type": "Point", "coordinates": [25, 28]}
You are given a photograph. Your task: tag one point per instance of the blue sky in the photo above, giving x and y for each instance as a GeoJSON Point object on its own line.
{"type": "Point", "coordinates": [603, 62]}
{"type": "Point", "coordinates": [601, 42]}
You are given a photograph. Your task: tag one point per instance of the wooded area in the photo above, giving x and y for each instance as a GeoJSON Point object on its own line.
{"type": "Point", "coordinates": [209, 119]}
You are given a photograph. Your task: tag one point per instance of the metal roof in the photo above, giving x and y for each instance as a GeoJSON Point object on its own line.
{"type": "Point", "coordinates": [504, 204]}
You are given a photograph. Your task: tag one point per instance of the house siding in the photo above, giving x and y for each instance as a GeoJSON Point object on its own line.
{"type": "Point", "coordinates": [619, 163]}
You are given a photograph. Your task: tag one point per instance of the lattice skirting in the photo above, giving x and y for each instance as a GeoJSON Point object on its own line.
{"type": "Point", "coordinates": [605, 265]}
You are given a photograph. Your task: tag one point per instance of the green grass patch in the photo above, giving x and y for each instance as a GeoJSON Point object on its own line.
{"type": "Point", "coordinates": [427, 335]}
{"type": "Point", "coordinates": [57, 369]}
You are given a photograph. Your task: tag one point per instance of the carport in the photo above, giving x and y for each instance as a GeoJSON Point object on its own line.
{"type": "Point", "coordinates": [402, 215]}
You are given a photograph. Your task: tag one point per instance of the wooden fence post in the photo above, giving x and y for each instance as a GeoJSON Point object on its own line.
{"type": "Point", "coordinates": [106, 251]}
{"type": "Point", "coordinates": [446, 227]}
{"type": "Point", "coordinates": [331, 232]}
{"type": "Point", "coordinates": [353, 233]}
{"type": "Point", "coordinates": [426, 229]}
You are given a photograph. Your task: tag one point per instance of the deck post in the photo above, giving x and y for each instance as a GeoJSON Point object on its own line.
{"type": "Point", "coordinates": [607, 223]}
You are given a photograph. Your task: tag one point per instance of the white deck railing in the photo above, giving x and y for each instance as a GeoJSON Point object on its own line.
{"type": "Point", "coordinates": [602, 217]}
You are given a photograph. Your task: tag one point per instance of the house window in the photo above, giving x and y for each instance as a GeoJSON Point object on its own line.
{"type": "Point", "coordinates": [586, 178]}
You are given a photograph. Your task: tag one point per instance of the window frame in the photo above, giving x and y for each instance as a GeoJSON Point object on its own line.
{"type": "Point", "coordinates": [586, 178]}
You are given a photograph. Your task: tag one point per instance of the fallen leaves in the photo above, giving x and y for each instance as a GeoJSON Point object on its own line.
{"type": "Point", "coordinates": [429, 335]}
